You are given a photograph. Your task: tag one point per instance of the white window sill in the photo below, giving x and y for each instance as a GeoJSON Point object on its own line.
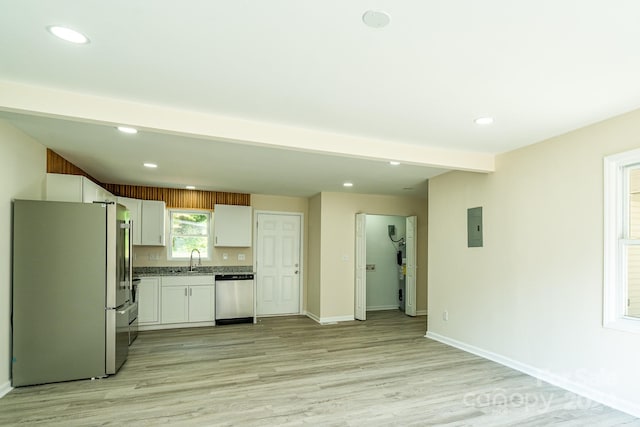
{"type": "Point", "coordinates": [626, 324]}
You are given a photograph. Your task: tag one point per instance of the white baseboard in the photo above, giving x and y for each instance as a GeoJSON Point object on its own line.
{"type": "Point", "coordinates": [336, 319]}
{"type": "Point", "coordinates": [394, 307]}
{"type": "Point", "coordinates": [312, 316]}
{"type": "Point", "coordinates": [263, 316]}
{"type": "Point", "coordinates": [632, 408]}
{"type": "Point", "coordinates": [332, 320]}
{"type": "Point", "coordinates": [174, 326]}
{"type": "Point", "coordinates": [5, 388]}
{"type": "Point", "coordinates": [329, 320]}
{"type": "Point", "coordinates": [382, 307]}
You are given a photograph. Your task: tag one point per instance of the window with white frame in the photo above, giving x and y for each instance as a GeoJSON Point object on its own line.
{"type": "Point", "coordinates": [622, 241]}
{"type": "Point", "coordinates": [189, 230]}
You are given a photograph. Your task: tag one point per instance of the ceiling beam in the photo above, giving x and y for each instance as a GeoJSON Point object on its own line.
{"type": "Point", "coordinates": [75, 106]}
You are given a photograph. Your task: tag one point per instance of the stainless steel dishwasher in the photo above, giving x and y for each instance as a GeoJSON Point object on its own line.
{"type": "Point", "coordinates": [234, 298]}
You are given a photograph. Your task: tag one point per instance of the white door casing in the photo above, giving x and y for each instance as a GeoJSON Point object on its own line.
{"type": "Point", "coordinates": [278, 263]}
{"type": "Point", "coordinates": [411, 251]}
{"type": "Point", "coordinates": [361, 267]}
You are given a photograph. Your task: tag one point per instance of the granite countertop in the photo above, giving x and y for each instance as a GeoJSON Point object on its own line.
{"type": "Point", "coordinates": [184, 271]}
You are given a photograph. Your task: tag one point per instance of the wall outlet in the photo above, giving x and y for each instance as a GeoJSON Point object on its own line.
{"type": "Point", "coordinates": [445, 315]}
{"type": "Point", "coordinates": [225, 256]}
{"type": "Point", "coordinates": [241, 257]}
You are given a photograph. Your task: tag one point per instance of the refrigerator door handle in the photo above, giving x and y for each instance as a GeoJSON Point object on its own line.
{"type": "Point", "coordinates": [127, 309]}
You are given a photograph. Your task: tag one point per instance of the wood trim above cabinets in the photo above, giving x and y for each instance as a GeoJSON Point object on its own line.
{"type": "Point", "coordinates": [179, 198]}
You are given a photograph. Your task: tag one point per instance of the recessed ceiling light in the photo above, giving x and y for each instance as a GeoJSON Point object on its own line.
{"type": "Point", "coordinates": [376, 18]}
{"type": "Point", "coordinates": [394, 163]}
{"type": "Point", "coordinates": [484, 120]}
{"type": "Point", "coordinates": [150, 165]}
{"type": "Point", "coordinates": [68, 34]}
{"type": "Point", "coordinates": [348, 184]}
{"type": "Point", "coordinates": [127, 129]}
{"type": "Point", "coordinates": [190, 187]}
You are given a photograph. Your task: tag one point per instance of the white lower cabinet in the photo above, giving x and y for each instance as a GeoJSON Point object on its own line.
{"type": "Point", "coordinates": [201, 303]}
{"type": "Point", "coordinates": [187, 299]}
{"type": "Point", "coordinates": [175, 304]}
{"type": "Point", "coordinates": [149, 301]}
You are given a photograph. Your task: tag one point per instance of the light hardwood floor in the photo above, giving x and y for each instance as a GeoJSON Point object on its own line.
{"type": "Point", "coordinates": [290, 371]}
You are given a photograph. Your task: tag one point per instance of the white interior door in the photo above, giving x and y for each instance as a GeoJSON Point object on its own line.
{"type": "Point", "coordinates": [411, 250]}
{"type": "Point", "coordinates": [361, 267]}
{"type": "Point", "coordinates": [278, 264]}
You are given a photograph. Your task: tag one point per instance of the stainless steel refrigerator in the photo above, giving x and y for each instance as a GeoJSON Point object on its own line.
{"type": "Point", "coordinates": [70, 290]}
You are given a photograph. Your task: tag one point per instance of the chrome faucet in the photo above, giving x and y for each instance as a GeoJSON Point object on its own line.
{"type": "Point", "coordinates": [191, 266]}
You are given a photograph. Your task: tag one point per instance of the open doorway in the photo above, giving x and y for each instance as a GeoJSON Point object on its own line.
{"type": "Point", "coordinates": [385, 264]}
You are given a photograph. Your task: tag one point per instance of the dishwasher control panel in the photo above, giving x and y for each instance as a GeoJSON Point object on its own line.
{"type": "Point", "coordinates": [234, 276]}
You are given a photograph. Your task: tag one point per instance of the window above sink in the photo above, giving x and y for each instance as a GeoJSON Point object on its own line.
{"type": "Point", "coordinates": [189, 230]}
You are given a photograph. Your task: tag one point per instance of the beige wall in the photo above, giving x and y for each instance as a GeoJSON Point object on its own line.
{"type": "Point", "coordinates": [314, 275]}
{"type": "Point", "coordinates": [22, 174]}
{"type": "Point", "coordinates": [533, 294]}
{"type": "Point", "coordinates": [280, 203]}
{"type": "Point", "coordinates": [337, 236]}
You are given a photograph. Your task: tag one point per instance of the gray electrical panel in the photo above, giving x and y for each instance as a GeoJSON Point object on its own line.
{"type": "Point", "coordinates": [474, 227]}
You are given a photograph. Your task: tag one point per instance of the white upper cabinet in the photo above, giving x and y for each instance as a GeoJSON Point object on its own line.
{"type": "Point", "coordinates": [152, 223]}
{"type": "Point", "coordinates": [148, 217]}
{"type": "Point", "coordinates": [232, 226]}
{"type": "Point", "coordinates": [92, 192]}
{"type": "Point", "coordinates": [75, 188]}
{"type": "Point", "coordinates": [134, 206]}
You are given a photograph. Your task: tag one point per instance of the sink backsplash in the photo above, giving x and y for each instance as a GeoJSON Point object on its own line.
{"type": "Point", "coordinates": [156, 256]}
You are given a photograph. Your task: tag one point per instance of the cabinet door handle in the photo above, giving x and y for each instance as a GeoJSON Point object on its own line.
{"type": "Point", "coordinates": [185, 292]}
{"type": "Point", "coordinates": [190, 292]}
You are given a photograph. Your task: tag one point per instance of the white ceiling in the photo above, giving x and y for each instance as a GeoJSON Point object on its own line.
{"type": "Point", "coordinates": [295, 97]}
